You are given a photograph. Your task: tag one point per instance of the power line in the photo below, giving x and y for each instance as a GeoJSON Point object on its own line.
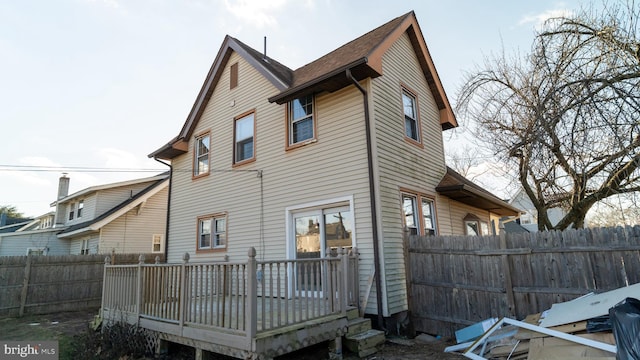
{"type": "Point", "coordinates": [5, 167]}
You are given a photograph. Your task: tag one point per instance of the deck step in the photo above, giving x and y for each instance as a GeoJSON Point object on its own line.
{"type": "Point", "coordinates": [366, 343]}
{"type": "Point", "coordinates": [353, 313]}
{"type": "Point", "coordinates": [358, 326]}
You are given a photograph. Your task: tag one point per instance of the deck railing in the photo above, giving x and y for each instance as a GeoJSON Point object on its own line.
{"type": "Point", "coordinates": [244, 298]}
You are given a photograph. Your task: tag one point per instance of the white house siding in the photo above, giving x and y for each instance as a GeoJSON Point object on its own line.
{"type": "Point", "coordinates": [401, 164]}
{"type": "Point", "coordinates": [334, 166]}
{"type": "Point", "coordinates": [16, 244]}
{"type": "Point", "coordinates": [133, 232]}
{"type": "Point", "coordinates": [109, 198]}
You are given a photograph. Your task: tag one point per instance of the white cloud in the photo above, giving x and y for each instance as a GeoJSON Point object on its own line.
{"type": "Point", "coordinates": [108, 3]}
{"type": "Point", "coordinates": [117, 158]}
{"type": "Point", "coordinates": [258, 13]}
{"type": "Point", "coordinates": [539, 19]}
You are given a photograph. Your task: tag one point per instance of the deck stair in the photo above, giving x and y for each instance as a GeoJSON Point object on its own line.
{"type": "Point", "coordinates": [360, 338]}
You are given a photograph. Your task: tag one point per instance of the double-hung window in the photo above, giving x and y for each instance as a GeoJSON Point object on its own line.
{"type": "Point", "coordinates": [156, 243]}
{"type": "Point", "coordinates": [244, 144]}
{"type": "Point", "coordinates": [80, 207]}
{"type": "Point", "coordinates": [201, 154]}
{"type": "Point", "coordinates": [72, 208]}
{"type": "Point", "coordinates": [212, 232]}
{"type": "Point", "coordinates": [300, 127]}
{"type": "Point", "coordinates": [411, 122]}
{"type": "Point", "coordinates": [419, 214]}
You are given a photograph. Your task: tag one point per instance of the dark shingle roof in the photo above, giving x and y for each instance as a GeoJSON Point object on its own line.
{"type": "Point", "coordinates": [459, 188]}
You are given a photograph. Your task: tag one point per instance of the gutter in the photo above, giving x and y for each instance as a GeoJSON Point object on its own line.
{"type": "Point", "coordinates": [281, 98]}
{"type": "Point", "coordinates": [166, 227]}
{"type": "Point", "coordinates": [372, 197]}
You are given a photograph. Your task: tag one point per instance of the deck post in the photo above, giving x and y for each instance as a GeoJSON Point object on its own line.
{"type": "Point", "coordinates": [251, 317]}
{"type": "Point", "coordinates": [344, 263]}
{"type": "Point", "coordinates": [183, 290]}
{"type": "Point", "coordinates": [139, 288]}
{"type": "Point", "coordinates": [106, 290]}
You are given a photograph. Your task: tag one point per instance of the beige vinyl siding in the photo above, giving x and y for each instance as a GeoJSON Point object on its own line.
{"type": "Point", "coordinates": [334, 166]}
{"type": "Point", "coordinates": [133, 232]}
{"type": "Point", "coordinates": [16, 244]}
{"type": "Point", "coordinates": [401, 164]}
{"type": "Point", "coordinates": [453, 221]}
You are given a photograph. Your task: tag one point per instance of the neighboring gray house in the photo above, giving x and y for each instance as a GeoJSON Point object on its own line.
{"type": "Point", "coordinates": [122, 217]}
{"type": "Point", "coordinates": [529, 217]}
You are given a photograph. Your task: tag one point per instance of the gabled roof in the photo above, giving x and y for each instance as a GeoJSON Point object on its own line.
{"type": "Point", "coordinates": [361, 56]}
{"type": "Point", "coordinates": [116, 212]}
{"type": "Point", "coordinates": [457, 187]}
{"type": "Point", "coordinates": [92, 189]}
{"type": "Point", "coordinates": [279, 75]}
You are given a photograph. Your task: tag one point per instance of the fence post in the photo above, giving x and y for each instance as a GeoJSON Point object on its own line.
{"type": "Point", "coordinates": [252, 293]}
{"type": "Point", "coordinates": [139, 285]}
{"type": "Point", "coordinates": [506, 266]}
{"type": "Point", "coordinates": [105, 286]}
{"type": "Point", "coordinates": [25, 285]}
{"type": "Point", "coordinates": [183, 290]}
{"type": "Point", "coordinates": [344, 263]}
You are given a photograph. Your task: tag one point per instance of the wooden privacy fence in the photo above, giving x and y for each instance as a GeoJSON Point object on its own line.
{"type": "Point", "coordinates": [38, 284]}
{"type": "Point", "coordinates": [455, 281]}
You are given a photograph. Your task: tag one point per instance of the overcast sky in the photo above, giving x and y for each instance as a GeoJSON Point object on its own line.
{"type": "Point", "coordinates": [103, 83]}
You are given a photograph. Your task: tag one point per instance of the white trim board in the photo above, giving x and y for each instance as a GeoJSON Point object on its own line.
{"type": "Point", "coordinates": [587, 307]}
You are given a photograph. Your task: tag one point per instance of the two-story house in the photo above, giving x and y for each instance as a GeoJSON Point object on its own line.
{"type": "Point", "coordinates": [344, 151]}
{"type": "Point", "coordinates": [122, 217]}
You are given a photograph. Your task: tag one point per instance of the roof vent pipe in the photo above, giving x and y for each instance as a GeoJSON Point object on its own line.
{"type": "Point", "coordinates": [264, 55]}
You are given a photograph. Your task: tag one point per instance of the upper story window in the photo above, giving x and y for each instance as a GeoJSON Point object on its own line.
{"type": "Point", "coordinates": [72, 207]}
{"type": "Point", "coordinates": [411, 122]}
{"type": "Point", "coordinates": [201, 155]}
{"type": "Point", "coordinates": [80, 207]}
{"type": "Point", "coordinates": [244, 145]}
{"type": "Point", "coordinates": [419, 214]}
{"type": "Point", "coordinates": [300, 124]}
{"type": "Point", "coordinates": [212, 232]}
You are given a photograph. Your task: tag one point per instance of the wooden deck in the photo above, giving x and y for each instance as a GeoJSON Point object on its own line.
{"type": "Point", "coordinates": [249, 310]}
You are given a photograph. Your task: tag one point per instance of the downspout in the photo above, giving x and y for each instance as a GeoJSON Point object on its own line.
{"type": "Point", "coordinates": [372, 196]}
{"type": "Point", "coordinates": [166, 228]}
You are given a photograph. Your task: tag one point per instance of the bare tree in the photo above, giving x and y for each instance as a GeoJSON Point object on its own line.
{"type": "Point", "coordinates": [566, 117]}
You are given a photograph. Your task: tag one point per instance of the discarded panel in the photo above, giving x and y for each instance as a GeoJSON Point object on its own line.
{"type": "Point", "coordinates": [587, 307]}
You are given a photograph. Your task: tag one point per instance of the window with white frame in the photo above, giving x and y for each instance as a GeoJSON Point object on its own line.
{"type": "Point", "coordinates": [80, 207]}
{"type": "Point", "coordinates": [418, 214]}
{"type": "Point", "coordinates": [72, 207]}
{"type": "Point", "coordinates": [411, 124]}
{"type": "Point", "coordinates": [85, 247]}
{"type": "Point", "coordinates": [244, 145]}
{"type": "Point", "coordinates": [212, 232]}
{"type": "Point", "coordinates": [201, 154]}
{"type": "Point", "coordinates": [474, 226]}
{"type": "Point", "coordinates": [156, 243]}
{"type": "Point", "coordinates": [300, 127]}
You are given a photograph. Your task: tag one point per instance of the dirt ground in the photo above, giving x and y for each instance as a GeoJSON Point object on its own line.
{"type": "Point", "coordinates": [63, 326]}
